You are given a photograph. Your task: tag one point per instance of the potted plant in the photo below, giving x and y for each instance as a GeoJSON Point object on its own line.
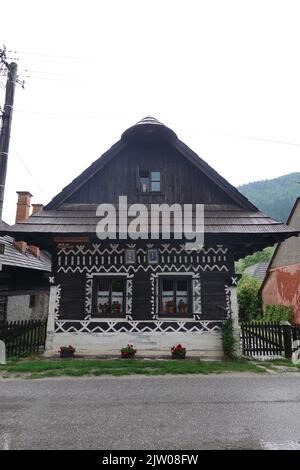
{"type": "Point", "coordinates": [181, 307]}
{"type": "Point", "coordinates": [67, 352]}
{"type": "Point", "coordinates": [128, 352]}
{"type": "Point", "coordinates": [170, 306]}
{"type": "Point", "coordinates": [104, 309]}
{"type": "Point", "coordinates": [178, 352]}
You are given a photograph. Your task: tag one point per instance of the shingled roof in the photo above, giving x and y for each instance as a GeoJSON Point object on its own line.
{"type": "Point", "coordinates": [241, 222]}
{"type": "Point", "coordinates": [258, 271]}
{"type": "Point", "coordinates": [13, 257]}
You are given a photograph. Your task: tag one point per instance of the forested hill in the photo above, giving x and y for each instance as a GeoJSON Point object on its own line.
{"type": "Point", "coordinates": [274, 197]}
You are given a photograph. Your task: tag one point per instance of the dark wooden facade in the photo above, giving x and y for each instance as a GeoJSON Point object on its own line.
{"type": "Point", "coordinates": [67, 225]}
{"type": "Point", "coordinates": [179, 180]}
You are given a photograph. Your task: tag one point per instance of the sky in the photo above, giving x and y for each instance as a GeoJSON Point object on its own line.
{"type": "Point", "coordinates": [224, 75]}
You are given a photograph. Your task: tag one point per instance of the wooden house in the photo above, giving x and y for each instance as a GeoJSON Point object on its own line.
{"type": "Point", "coordinates": [149, 292]}
{"type": "Point", "coordinates": [281, 285]}
{"type": "Point", "coordinates": [24, 273]}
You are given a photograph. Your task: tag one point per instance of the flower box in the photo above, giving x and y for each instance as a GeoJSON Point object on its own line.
{"type": "Point", "coordinates": [67, 352]}
{"type": "Point", "coordinates": [178, 352]}
{"type": "Point", "coordinates": [129, 352]}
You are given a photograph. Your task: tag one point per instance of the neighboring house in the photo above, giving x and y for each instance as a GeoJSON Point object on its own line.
{"type": "Point", "coordinates": [149, 292]}
{"type": "Point", "coordinates": [281, 285]}
{"type": "Point", "coordinates": [24, 276]}
{"type": "Point", "coordinates": [258, 271]}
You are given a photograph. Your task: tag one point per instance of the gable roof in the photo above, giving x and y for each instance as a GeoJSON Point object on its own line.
{"type": "Point", "coordinates": [238, 223]}
{"type": "Point", "coordinates": [152, 128]}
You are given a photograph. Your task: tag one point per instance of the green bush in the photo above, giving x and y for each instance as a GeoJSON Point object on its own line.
{"type": "Point", "coordinates": [277, 313]}
{"type": "Point", "coordinates": [228, 340]}
{"type": "Point", "coordinates": [249, 298]}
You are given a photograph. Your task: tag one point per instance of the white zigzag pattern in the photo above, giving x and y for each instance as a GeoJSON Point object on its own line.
{"type": "Point", "coordinates": [182, 249]}
{"type": "Point", "coordinates": [152, 268]}
{"type": "Point", "coordinates": [80, 249]}
{"type": "Point", "coordinates": [136, 326]}
{"type": "Point", "coordinates": [228, 301]}
{"type": "Point", "coordinates": [57, 301]}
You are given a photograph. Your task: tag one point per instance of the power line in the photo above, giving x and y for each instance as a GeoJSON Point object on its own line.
{"type": "Point", "coordinates": [47, 113]}
{"type": "Point", "coordinates": [50, 55]}
{"type": "Point", "coordinates": [51, 79]}
{"type": "Point", "coordinates": [48, 72]}
{"type": "Point", "coordinates": [273, 141]}
{"type": "Point", "coordinates": [28, 171]}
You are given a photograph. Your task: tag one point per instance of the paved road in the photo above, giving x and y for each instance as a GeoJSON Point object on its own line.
{"type": "Point", "coordinates": [186, 412]}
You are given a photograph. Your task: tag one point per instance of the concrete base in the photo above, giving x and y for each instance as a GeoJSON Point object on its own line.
{"type": "Point", "coordinates": [204, 345]}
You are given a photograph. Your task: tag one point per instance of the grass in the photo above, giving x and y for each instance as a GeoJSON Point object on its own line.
{"type": "Point", "coordinates": [40, 368]}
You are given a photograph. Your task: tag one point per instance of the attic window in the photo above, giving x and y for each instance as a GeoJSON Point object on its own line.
{"type": "Point", "coordinates": [2, 248]}
{"type": "Point", "coordinates": [149, 181]}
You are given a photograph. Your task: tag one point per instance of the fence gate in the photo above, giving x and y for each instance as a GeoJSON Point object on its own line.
{"type": "Point", "coordinates": [23, 338]}
{"type": "Point", "coordinates": [266, 339]}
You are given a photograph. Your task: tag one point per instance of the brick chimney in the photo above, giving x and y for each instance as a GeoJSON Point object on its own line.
{"type": "Point", "coordinates": [32, 248]}
{"type": "Point", "coordinates": [36, 208]}
{"type": "Point", "coordinates": [23, 205]}
{"type": "Point", "coordinates": [23, 208]}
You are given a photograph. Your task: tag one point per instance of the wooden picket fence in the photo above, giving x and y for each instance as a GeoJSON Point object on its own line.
{"type": "Point", "coordinates": [266, 339]}
{"type": "Point", "coordinates": [24, 337]}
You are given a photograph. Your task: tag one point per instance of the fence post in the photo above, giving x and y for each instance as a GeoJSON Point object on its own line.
{"type": "Point", "coordinates": [54, 292]}
{"type": "Point", "coordinates": [287, 339]}
{"type": "Point", "coordinates": [2, 353]}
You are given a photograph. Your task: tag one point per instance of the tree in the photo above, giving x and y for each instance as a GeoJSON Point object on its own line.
{"type": "Point", "coordinates": [249, 298]}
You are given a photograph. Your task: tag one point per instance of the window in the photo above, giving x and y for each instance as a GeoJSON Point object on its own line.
{"type": "Point", "coordinates": [149, 181]}
{"type": "Point", "coordinates": [175, 295]}
{"type": "Point", "coordinates": [109, 297]}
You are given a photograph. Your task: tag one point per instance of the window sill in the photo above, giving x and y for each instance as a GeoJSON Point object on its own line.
{"type": "Point", "coordinates": [107, 317]}
{"type": "Point", "coordinates": [152, 193]}
{"type": "Point", "coordinates": [174, 318]}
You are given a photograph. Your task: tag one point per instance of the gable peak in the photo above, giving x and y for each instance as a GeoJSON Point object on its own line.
{"type": "Point", "coordinates": [149, 127]}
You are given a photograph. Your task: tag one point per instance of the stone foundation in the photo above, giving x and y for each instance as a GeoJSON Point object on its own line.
{"type": "Point", "coordinates": [204, 345]}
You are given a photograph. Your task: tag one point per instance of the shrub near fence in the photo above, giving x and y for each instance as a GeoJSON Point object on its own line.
{"type": "Point", "coordinates": [23, 338]}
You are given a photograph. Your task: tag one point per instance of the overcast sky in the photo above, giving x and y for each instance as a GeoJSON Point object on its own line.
{"type": "Point", "coordinates": [224, 75]}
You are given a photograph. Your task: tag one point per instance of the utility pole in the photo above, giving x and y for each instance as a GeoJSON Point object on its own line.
{"type": "Point", "coordinates": [6, 122]}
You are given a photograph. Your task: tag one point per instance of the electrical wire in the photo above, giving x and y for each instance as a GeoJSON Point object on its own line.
{"type": "Point", "coordinates": [63, 57]}
{"type": "Point", "coordinates": [28, 171]}
{"type": "Point", "coordinates": [273, 141]}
